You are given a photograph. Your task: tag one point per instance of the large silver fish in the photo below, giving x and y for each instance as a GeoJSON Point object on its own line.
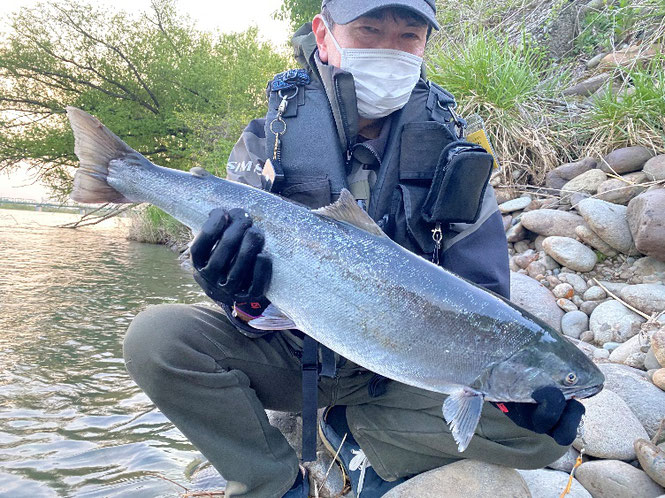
{"type": "Point", "coordinates": [344, 283]}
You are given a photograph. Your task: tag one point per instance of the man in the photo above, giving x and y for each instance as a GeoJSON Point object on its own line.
{"type": "Point", "coordinates": [360, 117]}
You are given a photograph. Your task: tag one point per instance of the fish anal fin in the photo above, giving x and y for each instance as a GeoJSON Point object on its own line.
{"type": "Point", "coordinates": [346, 209]}
{"type": "Point", "coordinates": [462, 409]}
{"type": "Point", "coordinates": [272, 318]}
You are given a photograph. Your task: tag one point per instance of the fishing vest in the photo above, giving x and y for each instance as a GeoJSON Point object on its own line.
{"type": "Point", "coordinates": [314, 167]}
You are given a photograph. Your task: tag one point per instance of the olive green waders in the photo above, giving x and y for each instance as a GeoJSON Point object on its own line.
{"type": "Point", "coordinates": [214, 383]}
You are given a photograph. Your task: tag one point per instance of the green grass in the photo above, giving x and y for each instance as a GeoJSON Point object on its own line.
{"type": "Point", "coordinates": [509, 87]}
{"type": "Point", "coordinates": [629, 113]}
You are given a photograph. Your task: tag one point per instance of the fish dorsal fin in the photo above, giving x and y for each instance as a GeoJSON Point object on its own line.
{"type": "Point", "coordinates": [461, 409]}
{"type": "Point", "coordinates": [199, 172]}
{"type": "Point", "coordinates": [346, 209]}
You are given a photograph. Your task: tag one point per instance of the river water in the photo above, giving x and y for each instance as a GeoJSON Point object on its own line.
{"type": "Point", "coordinates": [72, 422]}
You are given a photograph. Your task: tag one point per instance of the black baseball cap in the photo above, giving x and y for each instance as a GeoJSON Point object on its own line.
{"type": "Point", "coordinates": [345, 11]}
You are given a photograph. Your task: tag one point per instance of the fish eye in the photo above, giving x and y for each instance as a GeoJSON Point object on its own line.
{"type": "Point", "coordinates": [571, 379]}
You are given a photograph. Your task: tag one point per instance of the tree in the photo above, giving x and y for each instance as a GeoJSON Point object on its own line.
{"type": "Point", "coordinates": [298, 12]}
{"type": "Point", "coordinates": [177, 95]}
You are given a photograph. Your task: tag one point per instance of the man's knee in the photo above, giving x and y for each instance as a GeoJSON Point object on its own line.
{"type": "Point", "coordinates": [154, 341]}
{"type": "Point", "coordinates": [540, 451]}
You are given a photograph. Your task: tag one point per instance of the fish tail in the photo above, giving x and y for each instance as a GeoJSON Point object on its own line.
{"type": "Point", "coordinates": [96, 146]}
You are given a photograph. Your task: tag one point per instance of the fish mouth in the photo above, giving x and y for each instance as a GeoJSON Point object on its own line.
{"type": "Point", "coordinates": [587, 392]}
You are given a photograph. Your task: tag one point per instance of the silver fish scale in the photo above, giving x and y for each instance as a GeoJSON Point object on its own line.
{"type": "Point", "coordinates": [361, 295]}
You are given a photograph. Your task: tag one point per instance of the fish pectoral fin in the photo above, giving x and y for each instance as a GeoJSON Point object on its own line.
{"type": "Point", "coordinates": [272, 318]}
{"type": "Point", "coordinates": [462, 409]}
{"type": "Point", "coordinates": [346, 209]}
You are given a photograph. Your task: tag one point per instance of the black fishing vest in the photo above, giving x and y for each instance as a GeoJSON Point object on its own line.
{"type": "Point", "coordinates": [315, 166]}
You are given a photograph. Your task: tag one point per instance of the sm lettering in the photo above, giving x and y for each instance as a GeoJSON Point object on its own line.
{"type": "Point", "coordinates": [244, 167]}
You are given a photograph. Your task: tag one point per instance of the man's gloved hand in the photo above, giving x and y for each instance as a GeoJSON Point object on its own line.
{"type": "Point", "coordinates": [228, 262]}
{"type": "Point", "coordinates": [551, 414]}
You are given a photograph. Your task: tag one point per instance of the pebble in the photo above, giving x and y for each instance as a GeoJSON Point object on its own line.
{"type": "Point", "coordinates": [570, 253]}
{"type": "Point", "coordinates": [611, 346]}
{"type": "Point", "coordinates": [536, 269]}
{"type": "Point", "coordinates": [558, 177]}
{"type": "Point", "coordinates": [595, 293]}
{"type": "Point", "coordinates": [550, 263]}
{"type": "Point", "coordinates": [608, 221]}
{"type": "Point", "coordinates": [515, 204]}
{"type": "Point", "coordinates": [615, 479]}
{"type": "Point", "coordinates": [578, 283]}
{"type": "Point", "coordinates": [612, 321]}
{"type": "Point", "coordinates": [588, 86]}
{"type": "Point", "coordinates": [648, 298]}
{"type": "Point", "coordinates": [577, 300]}
{"type": "Point", "coordinates": [538, 242]}
{"type": "Point", "coordinates": [567, 461]}
{"type": "Point", "coordinates": [564, 290]}
{"type": "Point", "coordinates": [586, 336]}
{"type": "Point", "coordinates": [651, 362]}
{"type": "Point", "coordinates": [328, 477]}
{"type": "Point", "coordinates": [644, 399]}
{"type": "Point", "coordinates": [522, 246]}
{"type": "Point", "coordinates": [648, 266]}
{"type": "Point", "coordinates": [551, 222]}
{"type": "Point", "coordinates": [658, 378]}
{"type": "Point", "coordinates": [516, 233]}
{"type": "Point", "coordinates": [613, 287]}
{"type": "Point", "coordinates": [604, 413]}
{"type": "Point", "coordinates": [621, 353]}
{"type": "Point", "coordinates": [658, 345]}
{"type": "Point", "coordinates": [566, 305]}
{"type": "Point", "coordinates": [635, 360]}
{"type": "Point", "coordinates": [545, 483]}
{"type": "Point", "coordinates": [589, 306]}
{"type": "Point", "coordinates": [625, 160]}
{"type": "Point", "coordinates": [507, 222]}
{"type": "Point", "coordinates": [574, 323]}
{"type": "Point", "coordinates": [587, 182]}
{"type": "Point", "coordinates": [654, 168]}
{"type": "Point", "coordinates": [525, 258]}
{"type": "Point", "coordinates": [647, 223]}
{"type": "Point", "coordinates": [601, 354]}
{"type": "Point", "coordinates": [464, 479]}
{"type": "Point", "coordinates": [536, 299]}
{"type": "Point", "coordinates": [652, 460]}
{"type": "Point", "coordinates": [621, 191]}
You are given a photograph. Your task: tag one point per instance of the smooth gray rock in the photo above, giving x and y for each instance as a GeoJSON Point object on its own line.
{"type": "Point", "coordinates": [578, 283]}
{"type": "Point", "coordinates": [621, 191]}
{"type": "Point", "coordinates": [605, 412]}
{"type": "Point", "coordinates": [646, 219]}
{"type": "Point", "coordinates": [331, 484]}
{"type": "Point", "coordinates": [574, 323]}
{"type": "Point", "coordinates": [551, 222]}
{"type": "Point", "coordinates": [516, 233]}
{"type": "Point", "coordinates": [515, 204]}
{"type": "Point", "coordinates": [652, 460]}
{"type": "Point", "coordinates": [648, 298]}
{"type": "Point", "coordinates": [595, 293]}
{"type": "Point", "coordinates": [567, 461]}
{"type": "Point", "coordinates": [650, 361]}
{"type": "Point", "coordinates": [654, 169]}
{"type": "Point", "coordinates": [558, 177]}
{"type": "Point", "coordinates": [644, 399]}
{"type": "Point", "coordinates": [608, 221]}
{"type": "Point", "coordinates": [588, 86]}
{"type": "Point", "coordinates": [564, 290]}
{"type": "Point", "coordinates": [625, 160]}
{"type": "Point", "coordinates": [587, 182]}
{"type": "Point", "coordinates": [544, 483]}
{"type": "Point", "coordinates": [613, 287]}
{"type": "Point", "coordinates": [566, 305]}
{"type": "Point", "coordinates": [649, 267]}
{"type": "Point", "coordinates": [464, 479]}
{"type": "Point", "coordinates": [590, 238]}
{"type": "Point", "coordinates": [625, 350]}
{"type": "Point", "coordinates": [570, 253]}
{"type": "Point", "coordinates": [615, 479]}
{"type": "Point", "coordinates": [536, 299]}
{"type": "Point", "coordinates": [588, 307]}
{"type": "Point", "coordinates": [612, 321]}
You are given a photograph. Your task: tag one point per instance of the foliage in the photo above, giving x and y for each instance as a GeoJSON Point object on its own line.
{"type": "Point", "coordinates": [605, 28]}
{"type": "Point", "coordinates": [628, 113]}
{"type": "Point", "coordinates": [151, 225]}
{"type": "Point", "coordinates": [506, 85]}
{"type": "Point", "coordinates": [298, 12]}
{"type": "Point", "coordinates": [176, 94]}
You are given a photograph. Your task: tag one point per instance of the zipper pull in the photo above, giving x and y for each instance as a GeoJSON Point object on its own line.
{"type": "Point", "coordinates": [437, 237]}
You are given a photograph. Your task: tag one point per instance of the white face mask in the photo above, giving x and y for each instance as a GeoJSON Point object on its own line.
{"type": "Point", "coordinates": [384, 78]}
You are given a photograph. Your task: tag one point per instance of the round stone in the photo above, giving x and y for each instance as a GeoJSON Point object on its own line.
{"type": "Point", "coordinates": [574, 323]}
{"type": "Point", "coordinates": [612, 321]}
{"type": "Point", "coordinates": [570, 253]}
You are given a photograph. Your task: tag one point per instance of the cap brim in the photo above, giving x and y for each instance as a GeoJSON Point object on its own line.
{"type": "Point", "coordinates": [344, 12]}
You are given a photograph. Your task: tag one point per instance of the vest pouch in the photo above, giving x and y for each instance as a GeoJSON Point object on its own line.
{"type": "Point", "coordinates": [313, 192]}
{"type": "Point", "coordinates": [421, 144]}
{"type": "Point", "coordinates": [459, 183]}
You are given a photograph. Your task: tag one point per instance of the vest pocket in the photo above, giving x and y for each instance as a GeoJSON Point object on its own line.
{"type": "Point", "coordinates": [420, 147]}
{"type": "Point", "coordinates": [313, 192]}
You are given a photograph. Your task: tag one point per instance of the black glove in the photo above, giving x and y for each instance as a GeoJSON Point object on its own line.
{"type": "Point", "coordinates": [228, 262]}
{"type": "Point", "coordinates": [551, 414]}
